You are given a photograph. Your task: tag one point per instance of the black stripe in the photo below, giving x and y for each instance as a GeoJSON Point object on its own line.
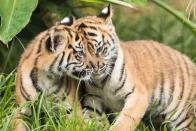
{"type": "Point", "coordinates": [68, 90]}
{"type": "Point", "coordinates": [23, 91]}
{"type": "Point", "coordinates": [171, 88]}
{"type": "Point", "coordinates": [53, 62]}
{"type": "Point", "coordinates": [36, 60]}
{"type": "Point", "coordinates": [178, 115]}
{"type": "Point", "coordinates": [161, 90]}
{"type": "Point", "coordinates": [171, 77]}
{"type": "Point", "coordinates": [172, 84]}
{"type": "Point", "coordinates": [77, 37]}
{"type": "Point", "coordinates": [183, 120]}
{"type": "Point", "coordinates": [59, 30]}
{"type": "Point", "coordinates": [92, 95]}
{"type": "Point", "coordinates": [92, 40]}
{"type": "Point", "coordinates": [69, 57]}
{"type": "Point", "coordinates": [78, 47]}
{"type": "Point", "coordinates": [108, 43]}
{"type": "Point", "coordinates": [93, 109]}
{"type": "Point", "coordinates": [99, 43]}
{"type": "Point", "coordinates": [92, 83]}
{"type": "Point", "coordinates": [104, 80]}
{"type": "Point", "coordinates": [34, 79]}
{"type": "Point", "coordinates": [122, 85]}
{"type": "Point", "coordinates": [122, 71]}
{"type": "Point", "coordinates": [72, 63]}
{"type": "Point", "coordinates": [79, 65]}
{"type": "Point", "coordinates": [82, 25]}
{"type": "Point", "coordinates": [61, 61]}
{"type": "Point", "coordinates": [69, 32]}
{"type": "Point", "coordinates": [39, 47]}
{"type": "Point", "coordinates": [113, 60]}
{"type": "Point", "coordinates": [103, 37]}
{"type": "Point", "coordinates": [91, 34]}
{"type": "Point", "coordinates": [111, 39]}
{"type": "Point", "coordinates": [188, 125]}
{"type": "Point", "coordinates": [162, 77]}
{"type": "Point", "coordinates": [152, 56]}
{"type": "Point", "coordinates": [69, 111]}
{"type": "Point", "coordinates": [114, 48]}
{"type": "Point", "coordinates": [28, 55]}
{"type": "Point", "coordinates": [129, 93]}
{"type": "Point", "coordinates": [60, 85]}
{"type": "Point", "coordinates": [68, 86]}
{"type": "Point", "coordinates": [92, 27]}
{"type": "Point", "coordinates": [182, 92]}
{"type": "Point", "coordinates": [182, 82]}
{"type": "Point", "coordinates": [64, 29]}
{"type": "Point", "coordinates": [85, 35]}
{"type": "Point", "coordinates": [71, 47]}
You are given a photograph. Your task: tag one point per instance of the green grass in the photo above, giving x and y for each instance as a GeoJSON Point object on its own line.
{"type": "Point", "coordinates": [45, 118]}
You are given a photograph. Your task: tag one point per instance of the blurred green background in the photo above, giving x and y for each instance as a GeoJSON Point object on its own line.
{"type": "Point", "coordinates": [148, 21]}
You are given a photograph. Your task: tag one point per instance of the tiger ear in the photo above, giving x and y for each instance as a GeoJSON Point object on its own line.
{"type": "Point", "coordinates": [55, 43]}
{"type": "Point", "coordinates": [68, 21]}
{"type": "Point", "coordinates": [106, 13]}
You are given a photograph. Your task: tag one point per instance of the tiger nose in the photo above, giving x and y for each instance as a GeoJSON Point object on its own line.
{"type": "Point", "coordinates": [93, 66]}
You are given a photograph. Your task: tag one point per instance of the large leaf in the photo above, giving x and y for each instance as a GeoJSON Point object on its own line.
{"type": "Point", "coordinates": [15, 14]}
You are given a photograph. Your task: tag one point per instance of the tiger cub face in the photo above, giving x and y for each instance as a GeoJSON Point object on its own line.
{"type": "Point", "coordinates": [63, 51]}
{"type": "Point", "coordinates": [100, 50]}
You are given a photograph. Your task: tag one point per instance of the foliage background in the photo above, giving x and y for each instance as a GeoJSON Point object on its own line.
{"type": "Point", "coordinates": [149, 21]}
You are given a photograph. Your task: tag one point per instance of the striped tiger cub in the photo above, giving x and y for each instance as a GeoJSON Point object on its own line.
{"type": "Point", "coordinates": [129, 77]}
{"type": "Point", "coordinates": [44, 67]}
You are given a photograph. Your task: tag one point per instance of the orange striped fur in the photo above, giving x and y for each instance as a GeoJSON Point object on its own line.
{"type": "Point", "coordinates": [129, 77]}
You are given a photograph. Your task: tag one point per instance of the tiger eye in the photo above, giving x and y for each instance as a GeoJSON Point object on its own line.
{"type": "Point", "coordinates": [77, 57]}
{"type": "Point", "coordinates": [99, 49]}
{"type": "Point", "coordinates": [105, 50]}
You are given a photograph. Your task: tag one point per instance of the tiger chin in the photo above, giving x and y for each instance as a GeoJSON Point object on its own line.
{"type": "Point", "coordinates": [129, 77]}
{"type": "Point", "coordinates": [44, 67]}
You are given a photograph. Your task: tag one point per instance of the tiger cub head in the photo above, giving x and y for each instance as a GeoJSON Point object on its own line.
{"type": "Point", "coordinates": [62, 50]}
{"type": "Point", "coordinates": [100, 39]}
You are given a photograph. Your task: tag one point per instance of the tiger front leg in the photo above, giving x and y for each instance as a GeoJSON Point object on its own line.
{"type": "Point", "coordinates": [134, 108]}
{"type": "Point", "coordinates": [92, 108]}
{"type": "Point", "coordinates": [17, 122]}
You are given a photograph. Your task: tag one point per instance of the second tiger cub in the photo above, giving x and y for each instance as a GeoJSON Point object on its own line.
{"type": "Point", "coordinates": [128, 77]}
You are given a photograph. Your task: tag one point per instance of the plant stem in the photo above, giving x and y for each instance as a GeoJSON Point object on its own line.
{"type": "Point", "coordinates": [177, 14]}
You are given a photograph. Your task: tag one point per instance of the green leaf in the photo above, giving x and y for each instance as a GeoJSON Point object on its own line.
{"type": "Point", "coordinates": [177, 14]}
{"type": "Point", "coordinates": [15, 15]}
{"type": "Point", "coordinates": [139, 2]}
{"type": "Point", "coordinates": [119, 2]}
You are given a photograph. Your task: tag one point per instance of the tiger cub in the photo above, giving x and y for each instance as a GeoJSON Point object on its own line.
{"type": "Point", "coordinates": [44, 67]}
{"type": "Point", "coordinates": [129, 77]}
